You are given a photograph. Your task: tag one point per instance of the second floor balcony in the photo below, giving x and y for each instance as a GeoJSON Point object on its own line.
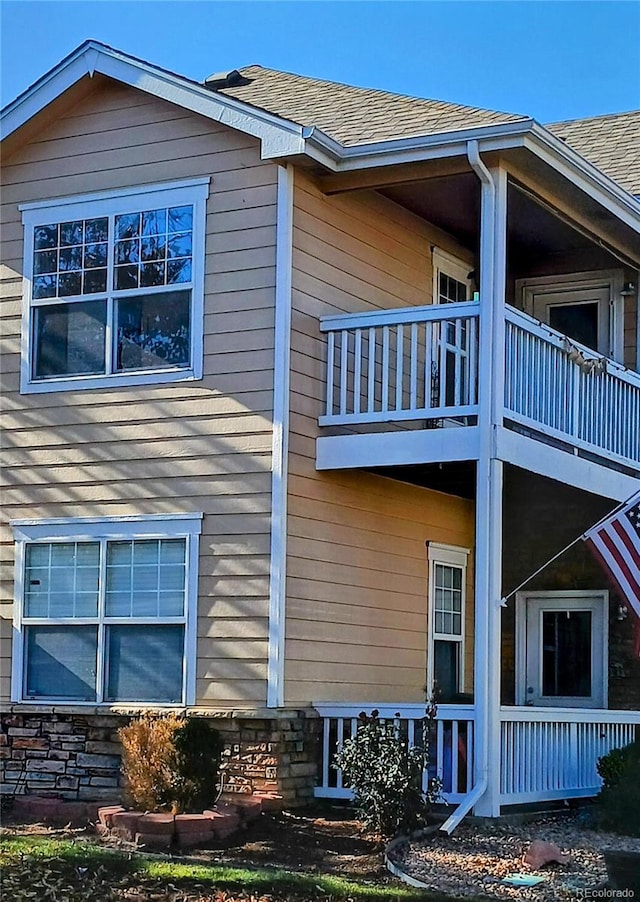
{"type": "Point", "coordinates": [416, 369]}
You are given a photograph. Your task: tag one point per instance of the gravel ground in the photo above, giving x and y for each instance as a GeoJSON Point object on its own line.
{"type": "Point", "coordinates": [475, 860]}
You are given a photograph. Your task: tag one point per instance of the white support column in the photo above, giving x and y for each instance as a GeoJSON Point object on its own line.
{"type": "Point", "coordinates": [488, 586]}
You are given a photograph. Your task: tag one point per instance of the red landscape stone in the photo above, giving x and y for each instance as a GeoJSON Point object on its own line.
{"type": "Point", "coordinates": [192, 823]}
{"type": "Point", "coordinates": [106, 812]}
{"type": "Point", "coordinates": [44, 809]}
{"type": "Point", "coordinates": [161, 824]}
{"type": "Point", "coordinates": [125, 824]}
{"type": "Point", "coordinates": [189, 840]}
{"type": "Point", "coordinates": [154, 840]}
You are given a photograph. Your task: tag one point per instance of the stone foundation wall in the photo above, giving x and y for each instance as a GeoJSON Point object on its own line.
{"type": "Point", "coordinates": [77, 756]}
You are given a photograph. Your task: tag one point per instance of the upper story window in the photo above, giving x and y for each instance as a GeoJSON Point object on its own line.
{"type": "Point", "coordinates": [114, 288]}
{"type": "Point", "coordinates": [451, 278]}
{"type": "Point", "coordinates": [106, 610]}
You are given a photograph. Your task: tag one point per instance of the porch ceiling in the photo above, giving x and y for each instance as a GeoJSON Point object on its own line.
{"type": "Point", "coordinates": [452, 203]}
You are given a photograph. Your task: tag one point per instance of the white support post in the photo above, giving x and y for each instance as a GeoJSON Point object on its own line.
{"type": "Point", "coordinates": [488, 587]}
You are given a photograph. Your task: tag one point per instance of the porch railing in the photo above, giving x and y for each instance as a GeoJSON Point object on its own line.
{"type": "Point", "coordinates": [409, 364]}
{"type": "Point", "coordinates": [451, 744]}
{"type": "Point", "coordinates": [545, 753]}
{"type": "Point", "coordinates": [558, 385]}
{"type": "Point", "coordinates": [551, 753]}
{"type": "Point", "coordinates": [421, 363]}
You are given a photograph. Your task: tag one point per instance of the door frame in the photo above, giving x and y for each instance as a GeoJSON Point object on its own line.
{"type": "Point", "coordinates": [613, 279]}
{"type": "Point", "coordinates": [599, 644]}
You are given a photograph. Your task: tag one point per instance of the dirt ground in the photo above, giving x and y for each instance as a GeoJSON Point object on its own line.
{"type": "Point", "coordinates": [325, 839]}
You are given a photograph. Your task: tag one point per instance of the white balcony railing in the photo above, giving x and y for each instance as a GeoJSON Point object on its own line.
{"type": "Point", "coordinates": [421, 364]}
{"type": "Point", "coordinates": [554, 384]}
{"type": "Point", "coordinates": [551, 753]}
{"type": "Point", "coordinates": [450, 749]}
{"type": "Point", "coordinates": [416, 363]}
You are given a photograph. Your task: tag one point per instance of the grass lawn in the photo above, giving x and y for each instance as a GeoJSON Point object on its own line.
{"type": "Point", "coordinates": [42, 868]}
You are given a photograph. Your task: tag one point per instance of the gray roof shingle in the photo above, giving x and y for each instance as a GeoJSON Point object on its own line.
{"type": "Point", "coordinates": [354, 116]}
{"type": "Point", "coordinates": [611, 142]}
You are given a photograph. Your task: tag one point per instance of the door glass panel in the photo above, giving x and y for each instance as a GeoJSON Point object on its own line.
{"type": "Point", "coordinates": [445, 669]}
{"type": "Point", "coordinates": [577, 321]}
{"type": "Point", "coordinates": [566, 654]}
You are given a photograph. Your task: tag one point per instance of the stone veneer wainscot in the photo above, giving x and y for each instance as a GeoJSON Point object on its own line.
{"type": "Point", "coordinates": [76, 755]}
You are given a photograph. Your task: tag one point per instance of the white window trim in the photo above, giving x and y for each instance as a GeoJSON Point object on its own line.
{"type": "Point", "coordinates": [455, 267]}
{"type": "Point", "coordinates": [104, 203]}
{"type": "Point", "coordinates": [596, 600]}
{"type": "Point", "coordinates": [454, 556]}
{"type": "Point", "coordinates": [156, 526]}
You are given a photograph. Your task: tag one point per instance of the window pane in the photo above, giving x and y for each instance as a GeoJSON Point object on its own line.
{"type": "Point", "coordinates": [139, 585]}
{"type": "Point", "coordinates": [128, 226]}
{"type": "Point", "coordinates": [61, 579]}
{"type": "Point", "coordinates": [179, 271]}
{"type": "Point", "coordinates": [96, 230]}
{"type": "Point", "coordinates": [154, 331]}
{"type": "Point", "coordinates": [154, 222]}
{"type": "Point", "coordinates": [70, 233]}
{"type": "Point", "coordinates": [145, 663]}
{"type": "Point", "coordinates": [61, 662]}
{"type": "Point", "coordinates": [45, 236]}
{"type": "Point", "coordinates": [180, 219]}
{"type": "Point", "coordinates": [95, 255]}
{"type": "Point", "coordinates": [566, 653]}
{"type": "Point", "coordinates": [70, 339]}
{"type": "Point", "coordinates": [45, 261]}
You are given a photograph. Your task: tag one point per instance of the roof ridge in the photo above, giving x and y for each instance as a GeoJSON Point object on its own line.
{"type": "Point", "coordinates": [449, 104]}
{"type": "Point", "coordinates": [592, 118]}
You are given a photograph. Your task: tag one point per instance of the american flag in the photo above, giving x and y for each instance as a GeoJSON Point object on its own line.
{"type": "Point", "coordinates": [615, 541]}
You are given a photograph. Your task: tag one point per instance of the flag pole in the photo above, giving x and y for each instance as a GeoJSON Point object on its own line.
{"type": "Point", "coordinates": [623, 504]}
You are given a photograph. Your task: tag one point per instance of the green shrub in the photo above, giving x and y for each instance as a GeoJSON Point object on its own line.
{"type": "Point", "coordinates": [385, 774]}
{"type": "Point", "coordinates": [170, 763]}
{"type": "Point", "coordinates": [611, 766]}
{"type": "Point", "coordinates": [198, 748]}
{"type": "Point", "coordinates": [618, 803]}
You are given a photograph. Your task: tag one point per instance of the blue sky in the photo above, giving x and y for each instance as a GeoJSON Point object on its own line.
{"type": "Point", "coordinates": [550, 59]}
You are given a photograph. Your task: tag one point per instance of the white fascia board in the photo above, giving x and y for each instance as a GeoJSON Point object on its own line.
{"type": "Point", "coordinates": [278, 137]}
{"type": "Point", "coordinates": [339, 158]}
{"type": "Point", "coordinates": [387, 449]}
{"type": "Point", "coordinates": [554, 463]}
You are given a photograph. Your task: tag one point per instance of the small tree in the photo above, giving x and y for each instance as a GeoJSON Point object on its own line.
{"type": "Point", "coordinates": [149, 760]}
{"type": "Point", "coordinates": [386, 774]}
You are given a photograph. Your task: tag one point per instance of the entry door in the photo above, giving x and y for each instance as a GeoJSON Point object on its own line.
{"type": "Point", "coordinates": [582, 314]}
{"type": "Point", "coordinates": [563, 649]}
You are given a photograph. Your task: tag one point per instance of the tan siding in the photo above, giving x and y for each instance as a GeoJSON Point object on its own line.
{"type": "Point", "coordinates": [203, 446]}
{"type": "Point", "coordinates": [356, 625]}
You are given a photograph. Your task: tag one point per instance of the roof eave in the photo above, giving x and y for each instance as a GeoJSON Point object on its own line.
{"type": "Point", "coordinates": [278, 137]}
{"type": "Point", "coordinates": [504, 136]}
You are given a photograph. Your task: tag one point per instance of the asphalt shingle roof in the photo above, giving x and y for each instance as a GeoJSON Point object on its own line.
{"type": "Point", "coordinates": [354, 116]}
{"type": "Point", "coordinates": [611, 142]}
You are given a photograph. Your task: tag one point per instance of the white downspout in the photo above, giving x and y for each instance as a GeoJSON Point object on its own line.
{"type": "Point", "coordinates": [489, 489]}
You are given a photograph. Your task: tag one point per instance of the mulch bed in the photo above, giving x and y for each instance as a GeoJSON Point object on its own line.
{"type": "Point", "coordinates": [476, 859]}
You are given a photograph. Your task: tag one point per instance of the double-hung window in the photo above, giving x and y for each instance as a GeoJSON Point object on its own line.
{"type": "Point", "coordinates": [447, 582]}
{"type": "Point", "coordinates": [106, 610]}
{"type": "Point", "coordinates": [114, 287]}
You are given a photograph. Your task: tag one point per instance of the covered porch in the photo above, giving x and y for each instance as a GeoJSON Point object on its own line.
{"type": "Point", "coordinates": [567, 668]}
